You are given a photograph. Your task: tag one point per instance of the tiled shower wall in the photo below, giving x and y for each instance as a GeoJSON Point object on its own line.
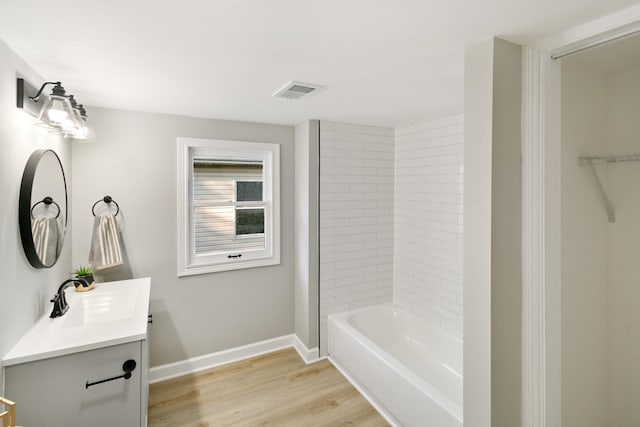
{"type": "Point", "coordinates": [428, 220]}
{"type": "Point", "coordinates": [391, 219]}
{"type": "Point", "coordinates": [356, 218]}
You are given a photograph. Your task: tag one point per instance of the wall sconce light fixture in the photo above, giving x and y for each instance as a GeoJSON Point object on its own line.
{"type": "Point", "coordinates": [58, 112]}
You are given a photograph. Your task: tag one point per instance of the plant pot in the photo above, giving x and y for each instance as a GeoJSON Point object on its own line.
{"type": "Point", "coordinates": [88, 278]}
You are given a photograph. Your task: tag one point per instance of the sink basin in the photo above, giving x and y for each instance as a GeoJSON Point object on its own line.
{"type": "Point", "coordinates": [112, 313]}
{"type": "Point", "coordinates": [98, 307]}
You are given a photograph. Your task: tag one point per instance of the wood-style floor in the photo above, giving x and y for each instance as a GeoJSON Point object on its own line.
{"type": "Point", "coordinates": [276, 389]}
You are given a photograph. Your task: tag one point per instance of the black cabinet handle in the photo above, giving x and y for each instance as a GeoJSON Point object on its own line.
{"type": "Point", "coordinates": [128, 367]}
{"type": "Point", "coordinates": [234, 256]}
{"type": "Point", "coordinates": [150, 319]}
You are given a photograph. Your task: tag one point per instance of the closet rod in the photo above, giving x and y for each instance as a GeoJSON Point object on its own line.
{"type": "Point", "coordinates": [601, 160]}
{"type": "Point", "coordinates": [624, 34]}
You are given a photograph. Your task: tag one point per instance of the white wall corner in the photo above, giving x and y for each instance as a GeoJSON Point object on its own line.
{"type": "Point", "coordinates": [477, 233]}
{"type": "Point", "coordinates": [309, 355]}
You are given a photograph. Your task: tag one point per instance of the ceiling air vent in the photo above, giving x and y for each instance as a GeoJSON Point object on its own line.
{"type": "Point", "coordinates": [296, 90]}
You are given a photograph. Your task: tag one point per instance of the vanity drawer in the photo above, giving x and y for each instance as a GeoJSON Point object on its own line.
{"type": "Point", "coordinates": [66, 391]}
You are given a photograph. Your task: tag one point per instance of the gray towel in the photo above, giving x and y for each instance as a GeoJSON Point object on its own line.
{"type": "Point", "coordinates": [105, 248]}
{"type": "Point", "coordinates": [45, 239]}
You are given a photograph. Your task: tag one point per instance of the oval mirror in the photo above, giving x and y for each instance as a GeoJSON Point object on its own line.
{"type": "Point", "coordinates": [42, 208]}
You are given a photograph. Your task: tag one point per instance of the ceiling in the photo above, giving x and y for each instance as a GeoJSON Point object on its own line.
{"type": "Point", "coordinates": [383, 62]}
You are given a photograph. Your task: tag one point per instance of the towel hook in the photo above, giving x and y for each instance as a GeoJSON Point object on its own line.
{"type": "Point", "coordinates": [108, 200]}
{"type": "Point", "coordinates": [48, 201]}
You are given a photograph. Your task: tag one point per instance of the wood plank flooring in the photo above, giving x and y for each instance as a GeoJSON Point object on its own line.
{"type": "Point", "coordinates": [276, 389]}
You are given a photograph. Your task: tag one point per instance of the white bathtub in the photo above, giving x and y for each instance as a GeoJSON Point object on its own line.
{"type": "Point", "coordinates": [410, 369]}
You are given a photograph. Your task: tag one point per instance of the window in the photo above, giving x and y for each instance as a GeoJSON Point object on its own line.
{"type": "Point", "coordinates": [228, 205]}
{"type": "Point", "coordinates": [249, 216]}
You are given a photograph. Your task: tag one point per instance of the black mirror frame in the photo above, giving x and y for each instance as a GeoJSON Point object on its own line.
{"type": "Point", "coordinates": [24, 207]}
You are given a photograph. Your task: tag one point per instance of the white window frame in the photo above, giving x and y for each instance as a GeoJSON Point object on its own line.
{"type": "Point", "coordinates": [189, 148]}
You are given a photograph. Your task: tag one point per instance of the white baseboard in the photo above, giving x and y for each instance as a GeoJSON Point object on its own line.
{"type": "Point", "coordinates": [212, 360]}
{"type": "Point", "coordinates": [308, 355]}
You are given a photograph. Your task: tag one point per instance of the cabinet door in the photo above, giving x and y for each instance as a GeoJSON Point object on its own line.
{"type": "Point", "coordinates": [53, 392]}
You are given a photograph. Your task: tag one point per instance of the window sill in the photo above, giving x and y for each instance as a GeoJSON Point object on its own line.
{"type": "Point", "coordinates": [229, 266]}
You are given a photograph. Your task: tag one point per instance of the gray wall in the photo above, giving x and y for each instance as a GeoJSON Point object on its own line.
{"type": "Point", "coordinates": [492, 245]}
{"type": "Point", "coordinates": [478, 87]}
{"type": "Point", "coordinates": [307, 154]}
{"type": "Point", "coordinates": [584, 249]}
{"type": "Point", "coordinates": [135, 162]}
{"type": "Point", "coordinates": [24, 290]}
{"type": "Point", "coordinates": [600, 293]}
{"type": "Point", "coordinates": [506, 247]}
{"type": "Point", "coordinates": [623, 316]}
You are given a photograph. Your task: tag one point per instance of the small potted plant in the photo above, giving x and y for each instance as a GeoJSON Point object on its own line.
{"type": "Point", "coordinates": [84, 273]}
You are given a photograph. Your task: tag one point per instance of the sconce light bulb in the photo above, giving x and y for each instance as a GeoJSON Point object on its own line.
{"type": "Point", "coordinates": [57, 113]}
{"type": "Point", "coordinates": [82, 127]}
{"type": "Point", "coordinates": [68, 125]}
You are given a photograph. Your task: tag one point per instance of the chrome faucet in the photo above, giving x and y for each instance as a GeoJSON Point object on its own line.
{"type": "Point", "coordinates": [59, 301]}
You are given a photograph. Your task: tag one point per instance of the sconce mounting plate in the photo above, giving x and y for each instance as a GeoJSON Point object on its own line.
{"type": "Point", "coordinates": [24, 91]}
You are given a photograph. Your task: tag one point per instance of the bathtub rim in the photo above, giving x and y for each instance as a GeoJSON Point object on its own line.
{"type": "Point", "coordinates": [340, 320]}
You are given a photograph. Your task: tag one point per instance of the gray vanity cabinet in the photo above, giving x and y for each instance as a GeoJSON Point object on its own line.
{"type": "Point", "coordinates": [56, 372]}
{"type": "Point", "coordinates": [53, 392]}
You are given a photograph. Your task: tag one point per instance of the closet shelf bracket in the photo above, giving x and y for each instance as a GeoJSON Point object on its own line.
{"type": "Point", "coordinates": [611, 213]}
{"type": "Point", "coordinates": [592, 161]}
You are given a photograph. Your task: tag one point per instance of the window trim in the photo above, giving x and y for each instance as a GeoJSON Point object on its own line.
{"type": "Point", "coordinates": [188, 262]}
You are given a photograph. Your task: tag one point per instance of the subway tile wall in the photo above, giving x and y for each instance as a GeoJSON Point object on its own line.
{"type": "Point", "coordinates": [356, 218]}
{"type": "Point", "coordinates": [428, 220]}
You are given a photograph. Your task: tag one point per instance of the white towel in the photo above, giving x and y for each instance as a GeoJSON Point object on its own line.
{"type": "Point", "coordinates": [105, 249]}
{"type": "Point", "coordinates": [45, 234]}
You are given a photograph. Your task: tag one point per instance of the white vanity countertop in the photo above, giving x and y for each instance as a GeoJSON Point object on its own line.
{"type": "Point", "coordinates": [112, 313]}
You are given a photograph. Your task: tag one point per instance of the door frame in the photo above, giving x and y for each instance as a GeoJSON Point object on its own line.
{"type": "Point", "coordinates": [541, 209]}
